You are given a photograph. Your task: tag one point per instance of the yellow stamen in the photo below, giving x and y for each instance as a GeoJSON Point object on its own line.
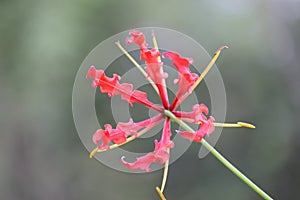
{"type": "Point", "coordinates": [209, 66]}
{"type": "Point", "coordinates": [137, 65]}
{"type": "Point", "coordinates": [164, 180]}
{"type": "Point", "coordinates": [234, 125]}
{"type": "Point", "coordinates": [93, 152]}
{"type": "Point", "coordinates": [161, 195]}
{"type": "Point", "coordinates": [226, 125]}
{"type": "Point", "coordinates": [246, 125]}
{"type": "Point", "coordinates": [155, 45]}
{"type": "Point", "coordinates": [128, 140]}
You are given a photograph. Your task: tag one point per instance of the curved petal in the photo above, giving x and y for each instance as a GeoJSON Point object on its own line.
{"type": "Point", "coordinates": [206, 128]}
{"type": "Point", "coordinates": [123, 130]}
{"type": "Point", "coordinates": [186, 79]}
{"type": "Point", "coordinates": [112, 87]}
{"type": "Point", "coordinates": [160, 153]}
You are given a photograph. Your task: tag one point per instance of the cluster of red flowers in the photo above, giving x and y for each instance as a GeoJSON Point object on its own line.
{"type": "Point", "coordinates": [185, 81]}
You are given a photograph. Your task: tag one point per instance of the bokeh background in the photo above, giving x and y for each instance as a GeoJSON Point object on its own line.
{"type": "Point", "coordinates": [42, 44]}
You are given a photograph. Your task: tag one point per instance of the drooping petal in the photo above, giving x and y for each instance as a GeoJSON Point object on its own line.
{"type": "Point", "coordinates": [206, 128]}
{"type": "Point", "coordinates": [179, 62]}
{"type": "Point", "coordinates": [103, 137]}
{"type": "Point", "coordinates": [138, 38]}
{"type": "Point", "coordinates": [142, 162]}
{"type": "Point", "coordinates": [95, 74]}
{"type": "Point", "coordinates": [196, 116]}
{"type": "Point", "coordinates": [112, 87]}
{"type": "Point", "coordinates": [160, 153]}
{"type": "Point", "coordinates": [123, 130]}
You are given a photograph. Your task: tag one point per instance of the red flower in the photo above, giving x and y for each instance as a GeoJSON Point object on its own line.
{"type": "Point", "coordinates": [123, 131]}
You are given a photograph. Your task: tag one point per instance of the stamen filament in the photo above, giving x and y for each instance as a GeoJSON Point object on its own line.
{"type": "Point", "coordinates": [113, 146]}
{"type": "Point", "coordinates": [209, 66]}
{"type": "Point", "coordinates": [166, 169]}
{"type": "Point", "coordinates": [202, 75]}
{"type": "Point", "coordinates": [137, 65]}
{"type": "Point", "coordinates": [155, 45]}
{"type": "Point", "coordinates": [234, 125]}
{"type": "Point", "coordinates": [224, 125]}
{"type": "Point", "coordinates": [161, 195]}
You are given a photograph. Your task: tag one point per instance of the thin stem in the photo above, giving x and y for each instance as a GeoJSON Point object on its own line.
{"type": "Point", "coordinates": [221, 158]}
{"type": "Point", "coordinates": [137, 65]}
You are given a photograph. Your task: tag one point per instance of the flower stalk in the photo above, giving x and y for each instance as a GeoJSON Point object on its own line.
{"type": "Point", "coordinates": [221, 158]}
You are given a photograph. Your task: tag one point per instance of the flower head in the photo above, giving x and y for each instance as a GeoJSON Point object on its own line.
{"type": "Point", "coordinates": [124, 132]}
{"type": "Point", "coordinates": [111, 86]}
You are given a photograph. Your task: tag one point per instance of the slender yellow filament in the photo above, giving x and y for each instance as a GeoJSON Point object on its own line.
{"type": "Point", "coordinates": [164, 180]}
{"type": "Point", "coordinates": [155, 45]}
{"type": "Point", "coordinates": [161, 195]}
{"type": "Point", "coordinates": [128, 140]}
{"type": "Point", "coordinates": [209, 66]}
{"type": "Point", "coordinates": [234, 125]}
{"type": "Point", "coordinates": [93, 152]}
{"type": "Point", "coordinates": [137, 65]}
{"type": "Point", "coordinates": [226, 125]}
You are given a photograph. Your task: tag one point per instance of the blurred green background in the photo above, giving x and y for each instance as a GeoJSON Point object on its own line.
{"type": "Point", "coordinates": [42, 44]}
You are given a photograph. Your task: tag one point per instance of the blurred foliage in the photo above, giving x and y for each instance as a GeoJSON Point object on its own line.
{"type": "Point", "coordinates": [43, 44]}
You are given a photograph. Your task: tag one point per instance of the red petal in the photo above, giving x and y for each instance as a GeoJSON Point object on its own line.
{"type": "Point", "coordinates": [103, 137]}
{"type": "Point", "coordinates": [153, 65]}
{"type": "Point", "coordinates": [188, 135]}
{"type": "Point", "coordinates": [160, 153]}
{"type": "Point", "coordinates": [196, 115]}
{"type": "Point", "coordinates": [206, 128]}
{"type": "Point", "coordinates": [119, 135]}
{"type": "Point", "coordinates": [142, 163]}
{"type": "Point", "coordinates": [138, 38]}
{"type": "Point", "coordinates": [186, 79]}
{"type": "Point", "coordinates": [112, 87]}
{"type": "Point", "coordinates": [179, 62]}
{"type": "Point", "coordinates": [95, 74]}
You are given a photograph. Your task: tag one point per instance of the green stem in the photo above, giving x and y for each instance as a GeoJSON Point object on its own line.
{"type": "Point", "coordinates": [220, 157]}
